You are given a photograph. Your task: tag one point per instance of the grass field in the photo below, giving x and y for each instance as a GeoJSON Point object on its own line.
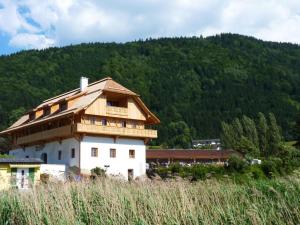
{"type": "Point", "coordinates": [108, 201]}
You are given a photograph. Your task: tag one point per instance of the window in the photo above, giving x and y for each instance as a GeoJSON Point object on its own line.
{"type": "Point", "coordinates": [131, 153]}
{"type": "Point", "coordinates": [112, 103]}
{"type": "Point", "coordinates": [46, 111]}
{"type": "Point", "coordinates": [133, 124]}
{"type": "Point", "coordinates": [27, 156]}
{"type": "Point", "coordinates": [112, 153]}
{"type": "Point", "coordinates": [103, 122]}
{"type": "Point", "coordinates": [123, 123]}
{"type": "Point", "coordinates": [73, 153]}
{"type": "Point", "coordinates": [94, 152]}
{"type": "Point", "coordinates": [32, 116]}
{"type": "Point", "coordinates": [93, 120]}
{"type": "Point", "coordinates": [63, 106]}
{"type": "Point", "coordinates": [59, 155]}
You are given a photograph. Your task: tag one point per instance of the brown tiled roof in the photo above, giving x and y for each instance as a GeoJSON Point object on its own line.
{"type": "Point", "coordinates": [188, 154]}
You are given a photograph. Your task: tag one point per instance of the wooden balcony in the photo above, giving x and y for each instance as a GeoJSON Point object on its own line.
{"type": "Point", "coordinates": [119, 111]}
{"type": "Point", "coordinates": [59, 132]}
{"type": "Point", "coordinates": [115, 131]}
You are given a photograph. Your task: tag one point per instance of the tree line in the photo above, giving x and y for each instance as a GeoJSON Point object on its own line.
{"type": "Point", "coordinates": [259, 137]}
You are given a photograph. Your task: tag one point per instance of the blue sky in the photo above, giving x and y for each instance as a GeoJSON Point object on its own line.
{"type": "Point", "coordinates": [38, 24]}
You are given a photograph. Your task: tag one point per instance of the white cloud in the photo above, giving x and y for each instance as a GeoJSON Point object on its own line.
{"type": "Point", "coordinates": [269, 20]}
{"type": "Point", "coordinates": [38, 24]}
{"type": "Point", "coordinates": [10, 19]}
{"type": "Point", "coordinates": [31, 41]}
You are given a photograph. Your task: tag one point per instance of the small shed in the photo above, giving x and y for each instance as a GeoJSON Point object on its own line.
{"type": "Point", "coordinates": [19, 173]}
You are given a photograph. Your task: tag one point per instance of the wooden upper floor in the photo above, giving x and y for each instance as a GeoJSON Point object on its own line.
{"type": "Point", "coordinates": [101, 108]}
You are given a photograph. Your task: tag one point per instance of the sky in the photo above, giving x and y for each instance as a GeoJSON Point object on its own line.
{"type": "Point", "coordinates": [39, 24]}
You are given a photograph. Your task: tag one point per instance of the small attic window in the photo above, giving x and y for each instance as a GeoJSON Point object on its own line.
{"type": "Point", "coordinates": [112, 103]}
{"type": "Point", "coordinates": [31, 115]}
{"type": "Point", "coordinates": [46, 111]}
{"type": "Point", "coordinates": [63, 106]}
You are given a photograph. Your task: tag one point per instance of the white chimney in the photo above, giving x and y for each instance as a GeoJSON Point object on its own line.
{"type": "Point", "coordinates": [84, 81]}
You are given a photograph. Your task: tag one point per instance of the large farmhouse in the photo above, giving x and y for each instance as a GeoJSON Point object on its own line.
{"type": "Point", "coordinates": [101, 124]}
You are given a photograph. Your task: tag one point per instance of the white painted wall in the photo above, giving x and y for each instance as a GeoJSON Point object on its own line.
{"type": "Point", "coordinates": [118, 165]}
{"type": "Point", "coordinates": [52, 149]}
{"type": "Point", "coordinates": [58, 171]}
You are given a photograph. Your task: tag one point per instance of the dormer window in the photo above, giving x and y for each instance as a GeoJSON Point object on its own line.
{"type": "Point", "coordinates": [116, 100]}
{"type": "Point", "coordinates": [46, 111]}
{"type": "Point", "coordinates": [32, 116]}
{"type": "Point", "coordinates": [112, 103]}
{"type": "Point", "coordinates": [63, 106]}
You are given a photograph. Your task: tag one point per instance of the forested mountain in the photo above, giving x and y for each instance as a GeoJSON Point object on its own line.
{"type": "Point", "coordinates": [201, 81]}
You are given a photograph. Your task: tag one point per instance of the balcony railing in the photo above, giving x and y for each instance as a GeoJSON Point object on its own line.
{"type": "Point", "coordinates": [117, 131]}
{"type": "Point", "coordinates": [113, 110]}
{"type": "Point", "coordinates": [45, 135]}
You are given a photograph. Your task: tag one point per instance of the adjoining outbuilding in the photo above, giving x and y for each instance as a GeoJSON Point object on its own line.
{"type": "Point", "coordinates": [20, 173]}
{"type": "Point", "coordinates": [164, 157]}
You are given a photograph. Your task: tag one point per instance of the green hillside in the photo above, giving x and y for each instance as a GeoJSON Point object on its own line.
{"type": "Point", "coordinates": [200, 81]}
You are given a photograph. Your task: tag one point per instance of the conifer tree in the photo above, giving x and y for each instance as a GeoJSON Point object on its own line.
{"type": "Point", "coordinates": [238, 128]}
{"type": "Point", "coordinates": [250, 130]}
{"type": "Point", "coordinates": [227, 136]}
{"type": "Point", "coordinates": [262, 130]}
{"type": "Point", "coordinates": [275, 137]}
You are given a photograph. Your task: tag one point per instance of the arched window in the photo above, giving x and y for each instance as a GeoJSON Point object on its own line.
{"type": "Point", "coordinates": [44, 157]}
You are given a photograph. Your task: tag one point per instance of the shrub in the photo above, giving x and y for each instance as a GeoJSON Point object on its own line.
{"type": "Point", "coordinates": [256, 172]}
{"type": "Point", "coordinates": [272, 167]}
{"type": "Point", "coordinates": [44, 177]}
{"type": "Point", "coordinates": [175, 167]}
{"type": "Point", "coordinates": [163, 172]}
{"type": "Point", "coordinates": [97, 172]}
{"type": "Point", "coordinates": [236, 164]}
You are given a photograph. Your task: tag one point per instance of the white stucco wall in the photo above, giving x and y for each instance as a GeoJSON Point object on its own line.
{"type": "Point", "coordinates": [118, 165]}
{"type": "Point", "coordinates": [52, 149]}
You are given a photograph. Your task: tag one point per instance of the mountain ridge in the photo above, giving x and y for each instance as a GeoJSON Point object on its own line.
{"type": "Point", "coordinates": [200, 81]}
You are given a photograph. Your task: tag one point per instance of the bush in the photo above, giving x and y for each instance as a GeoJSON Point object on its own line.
{"type": "Point", "coordinates": [272, 167]}
{"type": "Point", "coordinates": [97, 172]}
{"type": "Point", "coordinates": [44, 177]}
{"type": "Point", "coordinates": [236, 164]}
{"type": "Point", "coordinates": [256, 172]}
{"type": "Point", "coordinates": [175, 167]}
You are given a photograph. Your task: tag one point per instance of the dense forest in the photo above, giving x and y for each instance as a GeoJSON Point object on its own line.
{"type": "Point", "coordinates": [192, 84]}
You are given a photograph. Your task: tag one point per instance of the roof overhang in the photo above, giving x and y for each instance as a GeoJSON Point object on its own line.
{"type": "Point", "coordinates": [40, 121]}
{"type": "Point", "coordinates": [29, 165]}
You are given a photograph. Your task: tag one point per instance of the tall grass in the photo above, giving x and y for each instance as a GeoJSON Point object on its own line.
{"type": "Point", "coordinates": [109, 201]}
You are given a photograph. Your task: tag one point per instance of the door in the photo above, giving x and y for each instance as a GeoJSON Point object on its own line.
{"type": "Point", "coordinates": [22, 178]}
{"type": "Point", "coordinates": [130, 174]}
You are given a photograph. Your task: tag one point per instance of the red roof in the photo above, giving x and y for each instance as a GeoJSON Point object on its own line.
{"type": "Point", "coordinates": [188, 154]}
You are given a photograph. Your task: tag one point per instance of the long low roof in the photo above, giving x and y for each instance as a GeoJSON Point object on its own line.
{"type": "Point", "coordinates": [188, 154]}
